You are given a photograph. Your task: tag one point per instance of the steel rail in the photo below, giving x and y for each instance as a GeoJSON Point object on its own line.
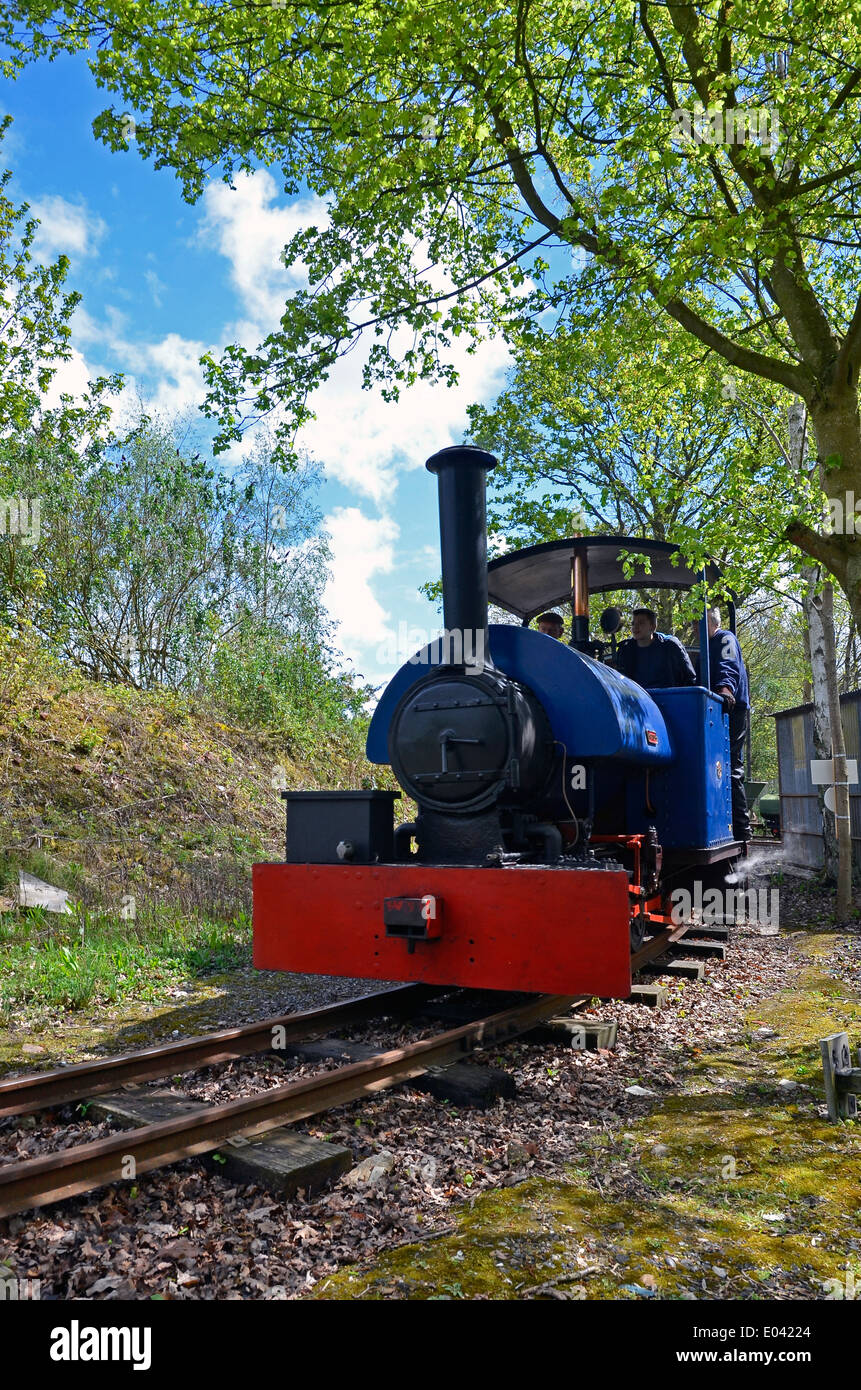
{"type": "Point", "coordinates": [20, 1095]}
{"type": "Point", "coordinates": [49, 1178]}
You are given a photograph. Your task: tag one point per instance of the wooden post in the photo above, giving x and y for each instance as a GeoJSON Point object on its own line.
{"type": "Point", "coordinates": [842, 1081]}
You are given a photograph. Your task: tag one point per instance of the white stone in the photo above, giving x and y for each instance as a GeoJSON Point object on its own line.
{"type": "Point", "coordinates": [372, 1170]}
{"type": "Point", "coordinates": [33, 892]}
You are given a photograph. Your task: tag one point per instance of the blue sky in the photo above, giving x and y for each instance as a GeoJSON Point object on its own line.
{"type": "Point", "coordinates": [163, 281]}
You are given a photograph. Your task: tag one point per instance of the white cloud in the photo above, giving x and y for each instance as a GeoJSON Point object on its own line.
{"type": "Point", "coordinates": [362, 547]}
{"type": "Point", "coordinates": [166, 373]}
{"type": "Point", "coordinates": [71, 378]}
{"type": "Point", "coordinates": [67, 228]}
{"type": "Point", "coordinates": [365, 442]}
{"type": "Point", "coordinates": [250, 229]}
{"type": "Point", "coordinates": [87, 329]}
{"type": "Point", "coordinates": [156, 287]}
{"type": "Point", "coordinates": [173, 368]}
{"type": "Point", "coordinates": [362, 441]}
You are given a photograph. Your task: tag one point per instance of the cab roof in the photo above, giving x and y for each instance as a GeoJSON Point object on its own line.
{"type": "Point", "coordinates": [526, 582]}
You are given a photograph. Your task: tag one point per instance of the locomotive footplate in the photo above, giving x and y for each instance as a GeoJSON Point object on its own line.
{"type": "Point", "coordinates": [533, 928]}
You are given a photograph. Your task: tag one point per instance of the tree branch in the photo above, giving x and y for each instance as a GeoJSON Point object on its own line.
{"type": "Point", "coordinates": [795, 379]}
{"type": "Point", "coordinates": [819, 548]}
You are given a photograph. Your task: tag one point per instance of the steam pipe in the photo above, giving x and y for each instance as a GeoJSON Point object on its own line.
{"type": "Point", "coordinates": [403, 834]}
{"type": "Point", "coordinates": [579, 601]}
{"type": "Point", "coordinates": [551, 839]}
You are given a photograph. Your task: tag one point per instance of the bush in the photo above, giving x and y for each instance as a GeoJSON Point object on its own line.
{"type": "Point", "coordinates": [286, 682]}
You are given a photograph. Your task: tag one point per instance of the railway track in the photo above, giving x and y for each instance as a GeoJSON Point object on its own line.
{"type": "Point", "coordinates": [655, 946]}
{"type": "Point", "coordinates": [42, 1090]}
{"type": "Point", "coordinates": [53, 1177]}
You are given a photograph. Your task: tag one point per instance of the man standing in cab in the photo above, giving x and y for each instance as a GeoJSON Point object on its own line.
{"type": "Point", "coordinates": [729, 680]}
{"type": "Point", "coordinates": [653, 659]}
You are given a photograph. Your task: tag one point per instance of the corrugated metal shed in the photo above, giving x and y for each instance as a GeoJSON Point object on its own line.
{"type": "Point", "coordinates": [801, 817]}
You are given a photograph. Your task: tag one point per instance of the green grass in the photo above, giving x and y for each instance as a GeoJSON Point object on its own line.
{"type": "Point", "coordinates": [69, 963]}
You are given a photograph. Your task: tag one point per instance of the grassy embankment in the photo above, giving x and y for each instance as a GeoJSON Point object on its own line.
{"type": "Point", "coordinates": [149, 810]}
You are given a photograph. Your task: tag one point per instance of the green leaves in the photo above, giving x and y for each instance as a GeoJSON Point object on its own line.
{"type": "Point", "coordinates": [158, 561]}
{"type": "Point", "coordinates": [34, 320]}
{"type": "Point", "coordinates": [626, 423]}
{"type": "Point", "coordinates": [704, 159]}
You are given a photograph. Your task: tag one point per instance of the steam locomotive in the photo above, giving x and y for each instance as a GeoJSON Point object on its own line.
{"type": "Point", "coordinates": [558, 803]}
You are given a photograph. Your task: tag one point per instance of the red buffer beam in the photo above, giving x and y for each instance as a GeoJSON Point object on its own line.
{"type": "Point", "coordinates": [541, 930]}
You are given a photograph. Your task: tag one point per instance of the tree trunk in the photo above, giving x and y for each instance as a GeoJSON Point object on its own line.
{"type": "Point", "coordinates": [835, 421]}
{"type": "Point", "coordinates": [665, 610]}
{"type": "Point", "coordinates": [825, 601]}
{"type": "Point", "coordinates": [816, 645]}
{"type": "Point", "coordinates": [816, 689]}
{"type": "Point", "coordinates": [828, 738]}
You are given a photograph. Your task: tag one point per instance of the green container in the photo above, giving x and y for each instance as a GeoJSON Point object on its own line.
{"type": "Point", "coordinates": [769, 805]}
{"type": "Point", "coordinates": [752, 791]}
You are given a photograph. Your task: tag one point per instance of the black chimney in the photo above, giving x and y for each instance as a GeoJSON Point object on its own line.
{"type": "Point", "coordinates": [461, 472]}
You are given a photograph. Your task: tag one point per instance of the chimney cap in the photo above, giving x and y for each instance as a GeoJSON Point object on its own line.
{"type": "Point", "coordinates": [460, 454]}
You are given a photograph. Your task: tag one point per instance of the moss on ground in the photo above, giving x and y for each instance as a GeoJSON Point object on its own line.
{"type": "Point", "coordinates": [757, 1193]}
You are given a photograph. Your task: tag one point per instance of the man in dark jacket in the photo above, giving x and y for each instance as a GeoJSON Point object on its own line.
{"type": "Point", "coordinates": [653, 659]}
{"type": "Point", "coordinates": [729, 680]}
